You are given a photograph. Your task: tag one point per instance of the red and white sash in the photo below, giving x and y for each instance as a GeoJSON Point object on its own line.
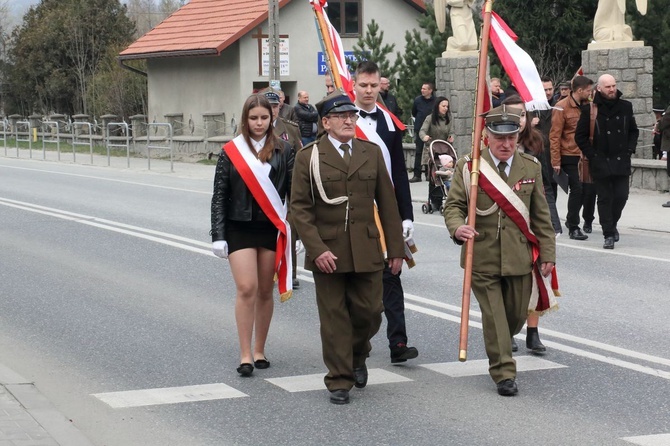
{"type": "Point", "coordinates": [366, 133]}
{"type": "Point", "coordinates": [264, 192]}
{"type": "Point", "coordinates": [544, 290]}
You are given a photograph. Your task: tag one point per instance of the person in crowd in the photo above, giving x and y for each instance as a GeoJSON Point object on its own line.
{"type": "Point", "coordinates": [531, 142]}
{"type": "Point", "coordinates": [249, 224]}
{"type": "Point", "coordinates": [664, 129]}
{"type": "Point", "coordinates": [290, 132]}
{"type": "Point", "coordinates": [656, 152]}
{"type": "Point", "coordinates": [286, 112]}
{"type": "Point", "coordinates": [437, 125]}
{"type": "Point", "coordinates": [389, 99]}
{"type": "Point", "coordinates": [607, 136]}
{"type": "Point", "coordinates": [497, 93]}
{"type": "Point", "coordinates": [379, 128]}
{"type": "Point", "coordinates": [563, 91]}
{"type": "Point", "coordinates": [330, 85]}
{"type": "Point", "coordinates": [544, 126]}
{"type": "Point", "coordinates": [307, 117]}
{"type": "Point", "coordinates": [421, 108]}
{"type": "Point", "coordinates": [336, 183]}
{"type": "Point", "coordinates": [565, 154]}
{"type": "Point", "coordinates": [504, 270]}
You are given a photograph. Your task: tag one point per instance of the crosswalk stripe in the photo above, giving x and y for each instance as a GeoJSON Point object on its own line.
{"type": "Point", "coordinates": [481, 366]}
{"type": "Point", "coordinates": [304, 383]}
{"type": "Point", "coordinates": [169, 395]}
{"type": "Point", "coordinates": [649, 440]}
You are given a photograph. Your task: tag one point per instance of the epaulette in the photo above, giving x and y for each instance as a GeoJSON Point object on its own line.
{"type": "Point", "coordinates": [529, 156]}
{"type": "Point", "coordinates": [295, 124]}
{"type": "Point", "coordinates": [308, 145]}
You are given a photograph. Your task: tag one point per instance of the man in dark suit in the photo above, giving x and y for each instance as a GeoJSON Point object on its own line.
{"type": "Point", "coordinates": [379, 128]}
{"type": "Point", "coordinates": [503, 265]}
{"type": "Point", "coordinates": [336, 183]}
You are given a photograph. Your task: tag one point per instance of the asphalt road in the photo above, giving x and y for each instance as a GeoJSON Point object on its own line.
{"type": "Point", "coordinates": [108, 287]}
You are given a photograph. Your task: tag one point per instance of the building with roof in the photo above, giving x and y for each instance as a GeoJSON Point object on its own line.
{"type": "Point", "coordinates": [206, 58]}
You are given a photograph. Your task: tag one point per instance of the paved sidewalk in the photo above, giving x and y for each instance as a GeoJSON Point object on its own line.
{"type": "Point", "coordinates": [27, 418]}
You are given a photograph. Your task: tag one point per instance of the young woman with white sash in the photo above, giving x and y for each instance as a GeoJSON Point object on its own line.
{"type": "Point", "coordinates": [249, 228]}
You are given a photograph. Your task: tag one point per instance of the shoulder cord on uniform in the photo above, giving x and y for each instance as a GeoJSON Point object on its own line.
{"type": "Point", "coordinates": [466, 180]}
{"type": "Point", "coordinates": [315, 174]}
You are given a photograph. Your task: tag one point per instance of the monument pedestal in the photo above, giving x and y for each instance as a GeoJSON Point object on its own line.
{"type": "Point", "coordinates": [456, 79]}
{"type": "Point", "coordinates": [632, 67]}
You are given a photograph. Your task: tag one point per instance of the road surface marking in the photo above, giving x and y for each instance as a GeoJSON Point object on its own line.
{"type": "Point", "coordinates": [481, 366]}
{"type": "Point", "coordinates": [304, 383]}
{"type": "Point", "coordinates": [649, 440]}
{"type": "Point", "coordinates": [168, 395]}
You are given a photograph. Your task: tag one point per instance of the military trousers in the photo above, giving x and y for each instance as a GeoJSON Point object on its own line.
{"type": "Point", "coordinates": [350, 307]}
{"type": "Point", "coordinates": [503, 301]}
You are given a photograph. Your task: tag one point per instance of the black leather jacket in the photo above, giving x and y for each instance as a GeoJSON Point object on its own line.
{"type": "Point", "coordinates": [232, 200]}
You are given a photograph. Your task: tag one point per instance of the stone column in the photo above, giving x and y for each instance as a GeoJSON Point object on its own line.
{"type": "Point", "coordinates": [631, 64]}
{"type": "Point", "coordinates": [456, 79]}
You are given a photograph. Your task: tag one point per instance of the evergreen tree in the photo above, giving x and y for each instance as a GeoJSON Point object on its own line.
{"type": "Point", "coordinates": [654, 29]}
{"type": "Point", "coordinates": [418, 62]}
{"type": "Point", "coordinates": [371, 47]}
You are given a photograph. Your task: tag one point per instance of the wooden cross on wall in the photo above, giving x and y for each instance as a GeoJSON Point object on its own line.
{"type": "Point", "coordinates": [260, 36]}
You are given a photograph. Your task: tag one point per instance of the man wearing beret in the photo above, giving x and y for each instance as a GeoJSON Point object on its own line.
{"type": "Point", "coordinates": [336, 182]}
{"type": "Point", "coordinates": [514, 241]}
{"type": "Point", "coordinates": [289, 132]}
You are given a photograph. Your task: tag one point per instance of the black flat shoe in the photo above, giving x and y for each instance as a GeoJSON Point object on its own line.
{"type": "Point", "coordinates": [360, 377]}
{"type": "Point", "coordinates": [245, 369]}
{"type": "Point", "coordinates": [262, 363]}
{"type": "Point", "coordinates": [339, 396]}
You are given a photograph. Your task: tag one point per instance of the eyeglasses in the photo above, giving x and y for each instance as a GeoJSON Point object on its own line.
{"type": "Point", "coordinates": [344, 116]}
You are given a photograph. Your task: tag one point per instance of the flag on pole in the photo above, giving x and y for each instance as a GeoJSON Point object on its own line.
{"type": "Point", "coordinates": [518, 65]}
{"type": "Point", "coordinates": [338, 49]}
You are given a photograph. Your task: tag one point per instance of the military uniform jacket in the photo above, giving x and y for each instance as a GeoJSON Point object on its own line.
{"type": "Point", "coordinates": [501, 248]}
{"type": "Point", "coordinates": [289, 132]}
{"type": "Point", "coordinates": [322, 226]}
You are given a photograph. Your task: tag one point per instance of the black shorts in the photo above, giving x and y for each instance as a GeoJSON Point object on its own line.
{"type": "Point", "coordinates": [250, 234]}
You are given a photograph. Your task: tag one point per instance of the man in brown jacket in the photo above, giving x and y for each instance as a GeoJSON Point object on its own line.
{"type": "Point", "coordinates": [565, 153]}
{"type": "Point", "coordinates": [336, 182]}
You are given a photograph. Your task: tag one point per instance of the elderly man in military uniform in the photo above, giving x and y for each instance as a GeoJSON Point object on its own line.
{"type": "Point", "coordinates": [508, 228]}
{"type": "Point", "coordinates": [290, 132]}
{"type": "Point", "coordinates": [336, 182]}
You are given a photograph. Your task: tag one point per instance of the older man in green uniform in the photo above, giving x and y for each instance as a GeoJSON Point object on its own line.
{"type": "Point", "coordinates": [336, 182]}
{"type": "Point", "coordinates": [512, 218]}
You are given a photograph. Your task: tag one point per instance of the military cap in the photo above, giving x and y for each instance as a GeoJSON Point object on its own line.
{"type": "Point", "coordinates": [335, 102]}
{"type": "Point", "coordinates": [564, 85]}
{"type": "Point", "coordinates": [270, 95]}
{"type": "Point", "coordinates": [503, 120]}
{"type": "Point", "coordinates": [658, 109]}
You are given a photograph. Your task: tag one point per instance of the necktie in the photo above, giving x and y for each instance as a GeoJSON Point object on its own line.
{"type": "Point", "coordinates": [501, 169]}
{"type": "Point", "coordinates": [347, 153]}
{"type": "Point", "coordinates": [372, 115]}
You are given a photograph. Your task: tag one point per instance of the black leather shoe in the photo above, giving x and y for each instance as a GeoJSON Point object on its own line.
{"type": "Point", "coordinates": [339, 396]}
{"type": "Point", "coordinates": [401, 353]}
{"type": "Point", "coordinates": [296, 284]}
{"type": "Point", "coordinates": [609, 243]}
{"type": "Point", "coordinates": [666, 205]}
{"type": "Point", "coordinates": [534, 344]}
{"type": "Point", "coordinates": [507, 387]}
{"type": "Point", "coordinates": [616, 235]}
{"type": "Point", "coordinates": [245, 369]}
{"type": "Point", "coordinates": [415, 179]}
{"type": "Point", "coordinates": [588, 228]}
{"type": "Point", "coordinates": [515, 346]}
{"type": "Point", "coordinates": [360, 377]}
{"type": "Point", "coordinates": [577, 234]}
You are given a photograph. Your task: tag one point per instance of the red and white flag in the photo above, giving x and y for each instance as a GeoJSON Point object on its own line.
{"type": "Point", "coordinates": [518, 65]}
{"type": "Point", "coordinates": [340, 61]}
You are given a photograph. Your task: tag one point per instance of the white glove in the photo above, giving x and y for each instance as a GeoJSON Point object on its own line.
{"type": "Point", "coordinates": [220, 249]}
{"type": "Point", "coordinates": [407, 229]}
{"type": "Point", "coordinates": [299, 247]}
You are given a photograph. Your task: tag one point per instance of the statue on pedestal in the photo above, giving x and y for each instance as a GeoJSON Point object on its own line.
{"type": "Point", "coordinates": [460, 13]}
{"type": "Point", "coordinates": [609, 24]}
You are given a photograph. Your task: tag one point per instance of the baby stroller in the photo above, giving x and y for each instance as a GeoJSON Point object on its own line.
{"type": "Point", "coordinates": [439, 174]}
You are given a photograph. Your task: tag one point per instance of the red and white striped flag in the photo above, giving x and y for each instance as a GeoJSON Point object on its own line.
{"type": "Point", "coordinates": [338, 49]}
{"type": "Point", "coordinates": [518, 65]}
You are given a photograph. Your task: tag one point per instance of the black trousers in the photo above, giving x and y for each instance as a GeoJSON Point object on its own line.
{"type": "Point", "coordinates": [574, 197]}
{"type": "Point", "coordinates": [417, 157]}
{"type": "Point", "coordinates": [612, 197]}
{"type": "Point", "coordinates": [394, 308]}
{"type": "Point", "coordinates": [588, 202]}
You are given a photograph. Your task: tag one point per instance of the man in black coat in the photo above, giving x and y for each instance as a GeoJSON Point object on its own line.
{"type": "Point", "coordinates": [607, 135]}
{"type": "Point", "coordinates": [422, 107]}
